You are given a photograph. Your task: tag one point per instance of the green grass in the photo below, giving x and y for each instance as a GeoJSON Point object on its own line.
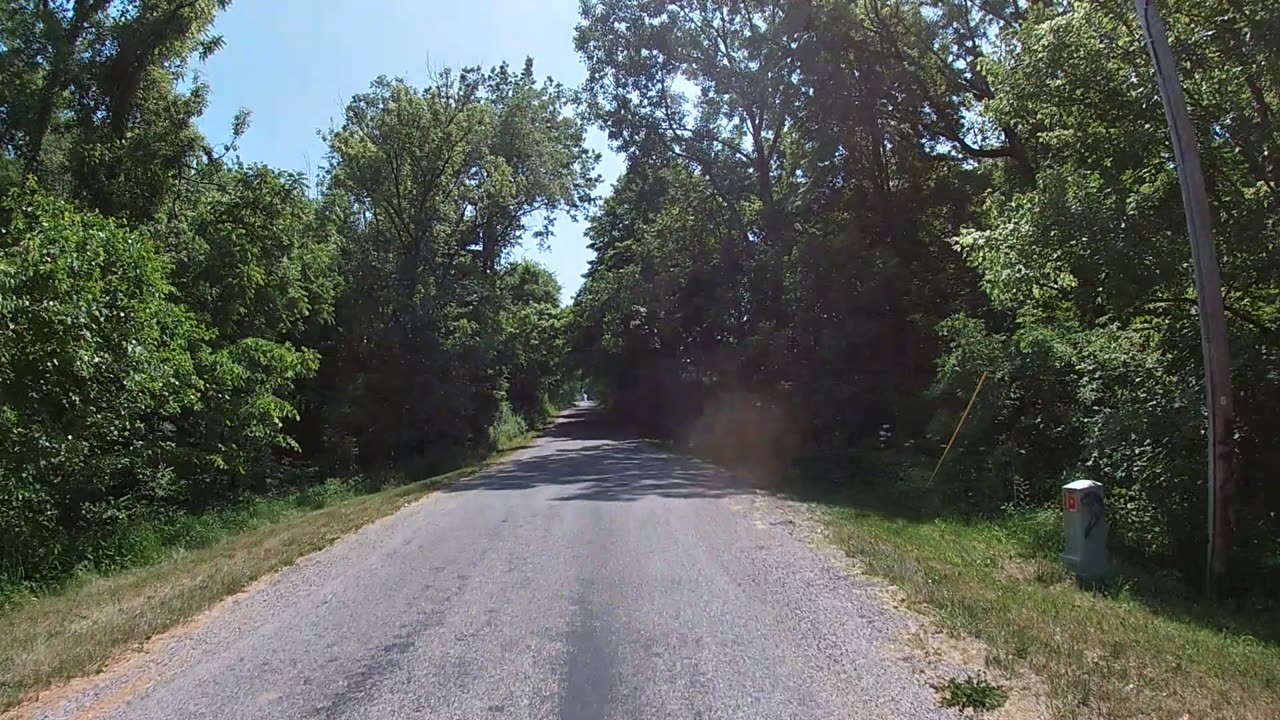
{"type": "Point", "coordinates": [974, 692]}
{"type": "Point", "coordinates": [76, 630]}
{"type": "Point", "coordinates": [1142, 648]}
{"type": "Point", "coordinates": [159, 537]}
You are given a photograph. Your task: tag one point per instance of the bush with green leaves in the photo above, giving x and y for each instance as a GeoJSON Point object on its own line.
{"type": "Point", "coordinates": [116, 402]}
{"type": "Point", "coordinates": [95, 365]}
{"type": "Point", "coordinates": [534, 331]}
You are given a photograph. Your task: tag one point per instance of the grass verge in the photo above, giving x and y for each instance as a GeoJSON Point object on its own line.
{"type": "Point", "coordinates": [76, 631]}
{"type": "Point", "coordinates": [1136, 650]}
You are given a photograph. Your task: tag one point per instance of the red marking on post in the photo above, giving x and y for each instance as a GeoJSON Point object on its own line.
{"type": "Point", "coordinates": [1073, 502]}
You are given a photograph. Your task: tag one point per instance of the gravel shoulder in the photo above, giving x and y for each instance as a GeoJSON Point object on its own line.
{"type": "Point", "coordinates": [587, 577]}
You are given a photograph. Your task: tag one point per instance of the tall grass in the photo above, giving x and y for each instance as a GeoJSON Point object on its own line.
{"type": "Point", "coordinates": [171, 532]}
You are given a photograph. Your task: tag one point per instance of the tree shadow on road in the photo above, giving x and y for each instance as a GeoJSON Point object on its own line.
{"type": "Point", "coordinates": [595, 460]}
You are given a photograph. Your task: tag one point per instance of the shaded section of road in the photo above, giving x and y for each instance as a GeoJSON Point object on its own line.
{"type": "Point", "coordinates": [590, 577]}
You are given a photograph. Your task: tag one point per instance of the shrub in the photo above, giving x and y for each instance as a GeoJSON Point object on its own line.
{"type": "Point", "coordinates": [94, 361]}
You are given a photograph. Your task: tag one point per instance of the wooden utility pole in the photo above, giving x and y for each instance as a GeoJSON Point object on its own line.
{"type": "Point", "coordinates": [1213, 321]}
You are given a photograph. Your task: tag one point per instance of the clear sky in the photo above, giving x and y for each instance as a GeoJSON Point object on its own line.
{"type": "Point", "coordinates": [294, 63]}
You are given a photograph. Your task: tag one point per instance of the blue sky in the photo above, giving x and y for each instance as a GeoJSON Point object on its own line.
{"type": "Point", "coordinates": [294, 63]}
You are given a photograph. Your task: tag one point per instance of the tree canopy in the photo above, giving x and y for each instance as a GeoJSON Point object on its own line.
{"type": "Point", "coordinates": [180, 329]}
{"type": "Point", "coordinates": [835, 216]}
{"type": "Point", "coordinates": [842, 213]}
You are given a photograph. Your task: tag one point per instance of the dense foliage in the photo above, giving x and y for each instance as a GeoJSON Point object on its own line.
{"type": "Point", "coordinates": [838, 214]}
{"type": "Point", "coordinates": [179, 330]}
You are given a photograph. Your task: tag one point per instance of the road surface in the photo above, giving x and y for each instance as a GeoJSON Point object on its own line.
{"type": "Point", "coordinates": [588, 578]}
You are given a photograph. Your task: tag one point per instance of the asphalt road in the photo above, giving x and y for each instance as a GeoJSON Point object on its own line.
{"type": "Point", "coordinates": [589, 578]}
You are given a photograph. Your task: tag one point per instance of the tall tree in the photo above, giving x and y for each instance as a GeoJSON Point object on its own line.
{"type": "Point", "coordinates": [433, 188]}
{"type": "Point", "coordinates": [92, 99]}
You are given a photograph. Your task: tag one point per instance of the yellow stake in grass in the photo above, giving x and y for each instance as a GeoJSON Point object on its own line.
{"type": "Point", "coordinates": [957, 432]}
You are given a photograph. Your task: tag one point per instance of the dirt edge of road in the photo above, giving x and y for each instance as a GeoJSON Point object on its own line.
{"type": "Point", "coordinates": [933, 654]}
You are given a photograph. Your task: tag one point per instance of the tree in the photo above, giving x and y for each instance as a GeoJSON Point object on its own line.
{"type": "Point", "coordinates": [92, 99]}
{"type": "Point", "coordinates": [253, 256]}
{"type": "Point", "coordinates": [95, 363]}
{"type": "Point", "coordinates": [182, 330]}
{"type": "Point", "coordinates": [847, 212]}
{"type": "Point", "coordinates": [432, 189]}
{"type": "Point", "coordinates": [533, 330]}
